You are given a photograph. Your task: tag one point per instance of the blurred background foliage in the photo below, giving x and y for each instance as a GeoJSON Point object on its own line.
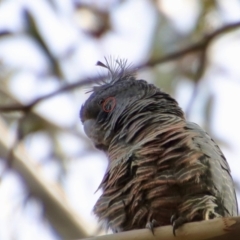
{"type": "Point", "coordinates": [49, 169]}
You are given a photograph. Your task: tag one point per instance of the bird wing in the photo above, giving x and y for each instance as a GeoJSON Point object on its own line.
{"type": "Point", "coordinates": [219, 170]}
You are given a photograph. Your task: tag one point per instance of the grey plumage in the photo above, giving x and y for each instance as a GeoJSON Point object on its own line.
{"type": "Point", "coordinates": [162, 169]}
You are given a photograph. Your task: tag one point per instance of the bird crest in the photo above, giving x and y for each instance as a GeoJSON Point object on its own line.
{"type": "Point", "coordinates": [118, 69]}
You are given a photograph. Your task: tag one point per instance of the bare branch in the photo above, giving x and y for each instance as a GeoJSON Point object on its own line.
{"type": "Point", "coordinates": [200, 46]}
{"type": "Point", "coordinates": [216, 229]}
{"type": "Point", "coordinates": [66, 88]}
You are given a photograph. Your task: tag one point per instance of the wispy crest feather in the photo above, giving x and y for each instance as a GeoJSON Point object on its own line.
{"type": "Point", "coordinates": [118, 69]}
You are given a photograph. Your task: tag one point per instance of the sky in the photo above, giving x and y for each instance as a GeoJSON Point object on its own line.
{"type": "Point", "coordinates": [128, 40]}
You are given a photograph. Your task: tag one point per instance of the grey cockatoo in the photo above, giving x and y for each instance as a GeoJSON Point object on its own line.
{"type": "Point", "coordinates": [162, 169]}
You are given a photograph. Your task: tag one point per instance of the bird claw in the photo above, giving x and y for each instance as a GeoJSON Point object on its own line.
{"type": "Point", "coordinates": [151, 224]}
{"type": "Point", "coordinates": [173, 218]}
{"type": "Point", "coordinates": [177, 222]}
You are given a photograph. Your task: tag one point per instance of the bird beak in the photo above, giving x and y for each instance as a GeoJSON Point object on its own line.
{"type": "Point", "coordinates": [88, 127]}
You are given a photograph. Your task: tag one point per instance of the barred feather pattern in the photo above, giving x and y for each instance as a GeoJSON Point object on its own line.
{"type": "Point", "coordinates": [174, 168]}
{"type": "Point", "coordinates": [162, 168]}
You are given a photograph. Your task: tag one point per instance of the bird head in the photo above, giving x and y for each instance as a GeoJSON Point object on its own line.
{"type": "Point", "coordinates": [120, 100]}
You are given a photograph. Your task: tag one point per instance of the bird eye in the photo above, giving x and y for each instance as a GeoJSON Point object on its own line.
{"type": "Point", "coordinates": [109, 104]}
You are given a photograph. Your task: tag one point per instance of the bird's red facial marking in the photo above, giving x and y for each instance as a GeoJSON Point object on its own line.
{"type": "Point", "coordinates": [109, 104]}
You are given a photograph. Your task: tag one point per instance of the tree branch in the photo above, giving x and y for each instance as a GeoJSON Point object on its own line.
{"type": "Point", "coordinates": [216, 229]}
{"type": "Point", "coordinates": [57, 209]}
{"type": "Point", "coordinates": [200, 46]}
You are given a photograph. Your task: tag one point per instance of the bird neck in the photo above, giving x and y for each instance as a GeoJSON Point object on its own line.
{"type": "Point", "coordinates": [134, 135]}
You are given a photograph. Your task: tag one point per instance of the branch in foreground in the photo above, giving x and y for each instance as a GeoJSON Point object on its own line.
{"type": "Point", "coordinates": [216, 229]}
{"type": "Point", "coordinates": [201, 45]}
{"type": "Point", "coordinates": [67, 223]}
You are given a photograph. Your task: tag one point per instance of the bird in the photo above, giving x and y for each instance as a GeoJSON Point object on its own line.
{"type": "Point", "coordinates": [162, 169]}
